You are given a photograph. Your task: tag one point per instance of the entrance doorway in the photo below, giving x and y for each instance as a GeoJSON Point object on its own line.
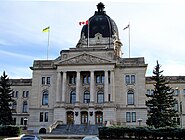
{"type": "Point", "coordinates": [84, 117]}
{"type": "Point", "coordinates": [70, 117]}
{"type": "Point", "coordinates": [99, 117]}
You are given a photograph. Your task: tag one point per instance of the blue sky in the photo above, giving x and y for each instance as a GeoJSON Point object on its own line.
{"type": "Point", "coordinates": [157, 31]}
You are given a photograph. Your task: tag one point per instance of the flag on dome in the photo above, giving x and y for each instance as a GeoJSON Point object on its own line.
{"type": "Point", "coordinates": [127, 26]}
{"type": "Point", "coordinates": [83, 22]}
{"type": "Point", "coordinates": [46, 29]}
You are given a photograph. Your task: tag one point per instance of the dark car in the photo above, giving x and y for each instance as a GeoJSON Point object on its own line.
{"type": "Point", "coordinates": [31, 137]}
{"type": "Point", "coordinates": [90, 138]}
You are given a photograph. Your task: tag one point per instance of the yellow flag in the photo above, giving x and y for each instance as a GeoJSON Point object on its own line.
{"type": "Point", "coordinates": [46, 29]}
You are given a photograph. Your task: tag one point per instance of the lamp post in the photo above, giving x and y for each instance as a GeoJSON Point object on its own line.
{"type": "Point", "coordinates": [25, 123]}
{"type": "Point", "coordinates": [139, 121]}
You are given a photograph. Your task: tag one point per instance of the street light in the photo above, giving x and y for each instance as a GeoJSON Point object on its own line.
{"type": "Point", "coordinates": [25, 122]}
{"type": "Point", "coordinates": [139, 121]}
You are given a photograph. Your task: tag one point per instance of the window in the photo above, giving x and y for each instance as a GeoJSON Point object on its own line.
{"type": "Point", "coordinates": [109, 97]}
{"type": "Point", "coordinates": [100, 97]}
{"type": "Point", "coordinates": [176, 106]}
{"type": "Point", "coordinates": [100, 79]}
{"type": "Point", "coordinates": [43, 80]}
{"type": "Point", "coordinates": [43, 116]}
{"type": "Point", "coordinates": [150, 92]}
{"type": "Point", "coordinates": [72, 79]}
{"type": "Point", "coordinates": [22, 121]}
{"type": "Point", "coordinates": [46, 116]}
{"type": "Point", "coordinates": [133, 116]}
{"type": "Point", "coordinates": [86, 79]}
{"type": "Point", "coordinates": [73, 97]}
{"type": "Point", "coordinates": [176, 92]}
{"type": "Point", "coordinates": [14, 106]}
{"type": "Point", "coordinates": [46, 80]}
{"type": "Point", "coordinates": [14, 121]}
{"type": "Point", "coordinates": [25, 107]}
{"type": "Point", "coordinates": [25, 94]}
{"type": "Point", "coordinates": [45, 97]}
{"type": "Point", "coordinates": [183, 91]}
{"type": "Point", "coordinates": [130, 116]}
{"type": "Point", "coordinates": [14, 94]}
{"type": "Point", "coordinates": [130, 97]}
{"type": "Point", "coordinates": [86, 97]}
{"type": "Point", "coordinates": [129, 79]}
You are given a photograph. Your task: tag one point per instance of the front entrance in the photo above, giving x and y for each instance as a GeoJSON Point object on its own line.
{"type": "Point", "coordinates": [70, 117]}
{"type": "Point", "coordinates": [99, 117]}
{"type": "Point", "coordinates": [84, 117]}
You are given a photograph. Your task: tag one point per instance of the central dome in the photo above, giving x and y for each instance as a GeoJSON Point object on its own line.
{"type": "Point", "coordinates": [100, 23]}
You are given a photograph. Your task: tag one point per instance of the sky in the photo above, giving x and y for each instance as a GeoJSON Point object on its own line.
{"type": "Point", "coordinates": [157, 31]}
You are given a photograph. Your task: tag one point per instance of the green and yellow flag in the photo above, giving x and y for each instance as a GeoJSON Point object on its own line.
{"type": "Point", "coordinates": [46, 29]}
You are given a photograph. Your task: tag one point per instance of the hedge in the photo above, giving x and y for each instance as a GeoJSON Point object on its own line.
{"type": "Point", "coordinates": [10, 131]}
{"type": "Point", "coordinates": [118, 132]}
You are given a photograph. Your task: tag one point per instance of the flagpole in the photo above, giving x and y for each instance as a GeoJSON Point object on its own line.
{"type": "Point", "coordinates": [88, 34]}
{"type": "Point", "coordinates": [129, 39]}
{"type": "Point", "coordinates": [48, 44]}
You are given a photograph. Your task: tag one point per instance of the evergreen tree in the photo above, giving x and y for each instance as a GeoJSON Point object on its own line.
{"type": "Point", "coordinates": [5, 100]}
{"type": "Point", "coordinates": [161, 103]}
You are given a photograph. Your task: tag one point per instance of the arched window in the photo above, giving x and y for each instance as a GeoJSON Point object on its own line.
{"type": "Point", "coordinates": [86, 97]}
{"type": "Point", "coordinates": [45, 97]}
{"type": "Point", "coordinates": [25, 107]}
{"type": "Point", "coordinates": [130, 97]}
{"type": "Point", "coordinates": [100, 97]}
{"type": "Point", "coordinates": [72, 97]}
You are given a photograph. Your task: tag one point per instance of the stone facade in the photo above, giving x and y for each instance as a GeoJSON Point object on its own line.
{"type": "Point", "coordinates": [90, 83]}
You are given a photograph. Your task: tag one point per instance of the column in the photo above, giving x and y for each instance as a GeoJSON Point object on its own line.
{"type": "Point", "coordinates": [64, 86]}
{"type": "Point", "coordinates": [106, 83]}
{"type": "Point", "coordinates": [112, 86]}
{"type": "Point", "coordinates": [78, 86]}
{"type": "Point", "coordinates": [58, 90]}
{"type": "Point", "coordinates": [92, 87]}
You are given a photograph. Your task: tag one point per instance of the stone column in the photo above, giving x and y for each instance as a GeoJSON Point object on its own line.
{"type": "Point", "coordinates": [78, 87]}
{"type": "Point", "coordinates": [64, 85]}
{"type": "Point", "coordinates": [106, 83]}
{"type": "Point", "coordinates": [58, 90]}
{"type": "Point", "coordinates": [112, 86]}
{"type": "Point", "coordinates": [92, 87]}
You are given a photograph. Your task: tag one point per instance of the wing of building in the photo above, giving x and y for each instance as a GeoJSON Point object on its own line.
{"type": "Point", "coordinates": [88, 84]}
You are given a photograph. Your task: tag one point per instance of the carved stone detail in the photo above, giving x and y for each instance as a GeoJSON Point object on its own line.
{"type": "Point", "coordinates": [85, 59]}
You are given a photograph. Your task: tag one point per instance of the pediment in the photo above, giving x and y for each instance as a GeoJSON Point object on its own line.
{"type": "Point", "coordinates": [85, 59]}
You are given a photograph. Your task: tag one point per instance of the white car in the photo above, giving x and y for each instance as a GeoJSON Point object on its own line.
{"type": "Point", "coordinates": [90, 138]}
{"type": "Point", "coordinates": [30, 137]}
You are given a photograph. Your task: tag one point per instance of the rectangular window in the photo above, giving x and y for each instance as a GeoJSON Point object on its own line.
{"type": "Point", "coordinates": [183, 91]}
{"type": "Point", "coordinates": [100, 78]}
{"type": "Point", "coordinates": [48, 81]}
{"type": "Point", "coordinates": [133, 116]}
{"type": "Point", "coordinates": [148, 92]}
{"type": "Point", "coordinates": [127, 79]}
{"type": "Point", "coordinates": [109, 97]}
{"type": "Point", "coordinates": [128, 118]}
{"type": "Point", "coordinates": [132, 79]}
{"type": "Point", "coordinates": [22, 121]}
{"type": "Point", "coordinates": [72, 79]}
{"type": "Point", "coordinates": [46, 116]}
{"type": "Point", "coordinates": [176, 92]}
{"type": "Point", "coordinates": [43, 80]}
{"type": "Point", "coordinates": [14, 121]}
{"type": "Point", "coordinates": [41, 116]}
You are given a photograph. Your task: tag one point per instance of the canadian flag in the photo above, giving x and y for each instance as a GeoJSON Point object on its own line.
{"type": "Point", "coordinates": [83, 22]}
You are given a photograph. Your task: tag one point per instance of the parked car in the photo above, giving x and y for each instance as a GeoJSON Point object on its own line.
{"type": "Point", "coordinates": [31, 137]}
{"type": "Point", "coordinates": [90, 138]}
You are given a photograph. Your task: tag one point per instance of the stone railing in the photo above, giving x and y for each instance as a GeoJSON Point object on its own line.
{"type": "Point", "coordinates": [54, 125]}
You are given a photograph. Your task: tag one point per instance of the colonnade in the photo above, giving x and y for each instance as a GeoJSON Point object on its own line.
{"type": "Point", "coordinates": [62, 81]}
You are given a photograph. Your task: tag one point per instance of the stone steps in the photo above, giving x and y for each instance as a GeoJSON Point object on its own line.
{"type": "Point", "coordinates": [76, 129]}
